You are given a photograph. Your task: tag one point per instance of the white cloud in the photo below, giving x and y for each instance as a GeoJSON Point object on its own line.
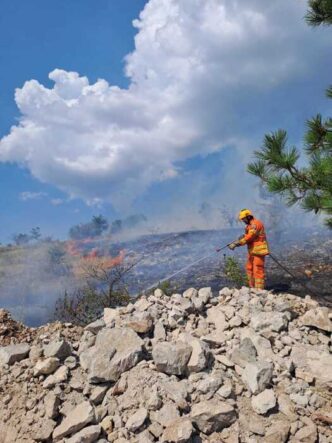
{"type": "Point", "coordinates": [198, 68]}
{"type": "Point", "coordinates": [57, 201]}
{"type": "Point", "coordinates": [28, 195]}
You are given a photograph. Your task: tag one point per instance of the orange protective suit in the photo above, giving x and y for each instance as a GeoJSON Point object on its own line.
{"type": "Point", "coordinates": [256, 241]}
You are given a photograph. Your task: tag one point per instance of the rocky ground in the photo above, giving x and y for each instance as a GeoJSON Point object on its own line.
{"type": "Point", "coordinates": [237, 366]}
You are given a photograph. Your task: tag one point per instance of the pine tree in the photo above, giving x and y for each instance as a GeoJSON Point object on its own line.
{"type": "Point", "coordinates": [277, 164]}
{"type": "Point", "coordinates": [320, 12]}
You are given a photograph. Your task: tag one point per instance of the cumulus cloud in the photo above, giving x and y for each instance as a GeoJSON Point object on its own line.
{"type": "Point", "coordinates": [196, 75]}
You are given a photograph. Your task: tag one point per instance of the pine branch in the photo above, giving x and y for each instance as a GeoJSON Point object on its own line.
{"type": "Point", "coordinates": [319, 12]}
{"type": "Point", "coordinates": [329, 92]}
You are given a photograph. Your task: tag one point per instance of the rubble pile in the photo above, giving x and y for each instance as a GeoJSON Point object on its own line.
{"type": "Point", "coordinates": [12, 331]}
{"type": "Point", "coordinates": [238, 366]}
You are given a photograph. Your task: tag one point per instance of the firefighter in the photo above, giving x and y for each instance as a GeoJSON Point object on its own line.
{"type": "Point", "coordinates": [255, 239]}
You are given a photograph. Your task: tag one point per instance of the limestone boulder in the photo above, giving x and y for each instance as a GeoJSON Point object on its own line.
{"type": "Point", "coordinates": [258, 376]}
{"type": "Point", "coordinates": [46, 367]}
{"type": "Point", "coordinates": [313, 361]}
{"type": "Point", "coordinates": [212, 415]}
{"type": "Point", "coordinates": [172, 357]}
{"type": "Point", "coordinates": [13, 353]}
{"type": "Point", "coordinates": [264, 401]}
{"type": "Point", "coordinates": [245, 353]}
{"type": "Point", "coordinates": [270, 321]}
{"type": "Point", "coordinates": [178, 431]}
{"type": "Point", "coordinates": [116, 350]}
{"type": "Point", "coordinates": [59, 349]}
{"type": "Point", "coordinates": [200, 352]}
{"type": "Point", "coordinates": [86, 435]}
{"type": "Point", "coordinates": [318, 318]}
{"type": "Point", "coordinates": [137, 420]}
{"type": "Point", "coordinates": [77, 419]}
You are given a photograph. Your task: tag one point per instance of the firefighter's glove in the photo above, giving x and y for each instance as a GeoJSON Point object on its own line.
{"type": "Point", "coordinates": [233, 245]}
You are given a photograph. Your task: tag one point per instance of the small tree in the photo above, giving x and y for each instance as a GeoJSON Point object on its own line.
{"type": "Point", "coordinates": [233, 272]}
{"type": "Point", "coordinates": [35, 233]}
{"type": "Point", "coordinates": [21, 239]}
{"type": "Point", "coordinates": [100, 224]}
{"type": "Point", "coordinates": [104, 284]}
{"type": "Point", "coordinates": [92, 229]}
{"type": "Point", "coordinates": [116, 226]}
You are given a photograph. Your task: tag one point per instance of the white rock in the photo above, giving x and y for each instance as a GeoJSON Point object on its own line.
{"type": "Point", "coordinates": [316, 362]}
{"type": "Point", "coordinates": [46, 367]}
{"type": "Point", "coordinates": [190, 293]}
{"type": "Point", "coordinates": [96, 326]}
{"type": "Point", "coordinates": [216, 316]}
{"type": "Point", "coordinates": [13, 353]}
{"type": "Point", "coordinates": [307, 434]}
{"type": "Point", "coordinates": [60, 376]}
{"type": "Point", "coordinates": [137, 420]}
{"type": "Point", "coordinates": [264, 401]}
{"type": "Point", "coordinates": [116, 350]}
{"type": "Point", "coordinates": [257, 376]}
{"type": "Point", "coordinates": [166, 415]}
{"type": "Point", "coordinates": [226, 390]}
{"type": "Point", "coordinates": [205, 294]}
{"type": "Point", "coordinates": [86, 435]}
{"type": "Point", "coordinates": [51, 404]}
{"type": "Point", "coordinates": [270, 321]}
{"type": "Point", "coordinates": [159, 332]}
{"type": "Point", "coordinates": [179, 431]}
{"type": "Point", "coordinates": [318, 318]}
{"type": "Point", "coordinates": [80, 416]}
{"type": "Point", "coordinates": [212, 415]}
{"type": "Point", "coordinates": [171, 358]}
{"type": "Point", "coordinates": [110, 315]}
{"type": "Point", "coordinates": [59, 349]}
{"type": "Point", "coordinates": [200, 352]}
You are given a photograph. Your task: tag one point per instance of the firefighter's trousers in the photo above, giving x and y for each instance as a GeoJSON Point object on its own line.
{"type": "Point", "coordinates": [255, 271]}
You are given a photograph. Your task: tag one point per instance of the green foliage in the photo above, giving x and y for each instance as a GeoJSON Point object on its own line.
{"type": "Point", "coordinates": [166, 287]}
{"type": "Point", "coordinates": [233, 272]}
{"type": "Point", "coordinates": [319, 12]}
{"type": "Point", "coordinates": [35, 233]}
{"type": "Point", "coordinates": [21, 239]}
{"type": "Point", "coordinates": [128, 223]}
{"type": "Point", "coordinates": [86, 304]}
{"type": "Point", "coordinates": [94, 228]}
{"type": "Point", "coordinates": [310, 186]}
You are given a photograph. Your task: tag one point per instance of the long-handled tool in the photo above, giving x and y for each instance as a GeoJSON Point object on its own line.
{"type": "Point", "coordinates": [304, 285]}
{"type": "Point", "coordinates": [156, 284]}
{"type": "Point", "coordinates": [281, 266]}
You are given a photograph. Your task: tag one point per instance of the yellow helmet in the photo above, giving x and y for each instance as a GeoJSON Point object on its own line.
{"type": "Point", "coordinates": [244, 213]}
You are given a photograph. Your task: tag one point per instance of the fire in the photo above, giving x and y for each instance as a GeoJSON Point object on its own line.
{"type": "Point", "coordinates": [93, 260]}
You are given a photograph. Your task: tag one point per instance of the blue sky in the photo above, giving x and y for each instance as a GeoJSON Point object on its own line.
{"type": "Point", "coordinates": [204, 81]}
{"type": "Point", "coordinates": [35, 37]}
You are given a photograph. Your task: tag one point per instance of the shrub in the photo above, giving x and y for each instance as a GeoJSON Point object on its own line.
{"type": "Point", "coordinates": [233, 272]}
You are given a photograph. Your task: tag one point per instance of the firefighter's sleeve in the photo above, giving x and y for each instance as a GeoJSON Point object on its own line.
{"type": "Point", "coordinates": [250, 236]}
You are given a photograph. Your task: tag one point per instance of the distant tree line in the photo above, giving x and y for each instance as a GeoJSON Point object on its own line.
{"type": "Point", "coordinates": [99, 225]}
{"type": "Point", "coordinates": [21, 239]}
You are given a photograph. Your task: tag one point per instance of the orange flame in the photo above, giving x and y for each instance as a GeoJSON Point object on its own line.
{"type": "Point", "coordinates": [93, 259]}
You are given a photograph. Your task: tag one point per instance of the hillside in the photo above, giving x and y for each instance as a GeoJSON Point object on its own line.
{"type": "Point", "coordinates": [33, 277]}
{"type": "Point", "coordinates": [238, 366]}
